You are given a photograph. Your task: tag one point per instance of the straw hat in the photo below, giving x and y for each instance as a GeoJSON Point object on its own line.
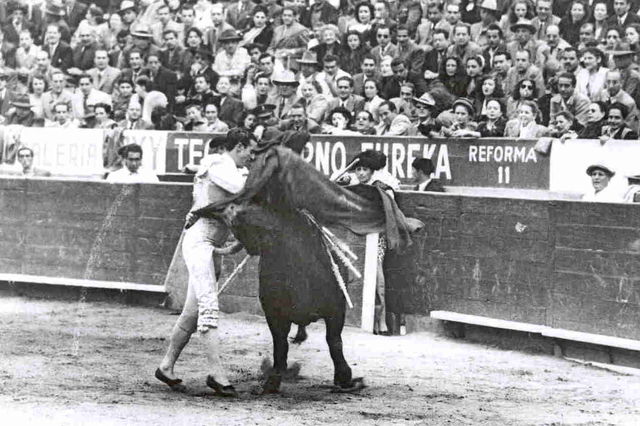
{"type": "Point", "coordinates": [309, 57]}
{"type": "Point", "coordinates": [141, 31]}
{"type": "Point", "coordinates": [126, 5]}
{"type": "Point", "coordinates": [229, 35]}
{"type": "Point", "coordinates": [285, 77]}
{"type": "Point", "coordinates": [465, 103]}
{"type": "Point", "coordinates": [21, 101]}
{"type": "Point", "coordinates": [490, 5]}
{"type": "Point", "coordinates": [263, 110]}
{"type": "Point", "coordinates": [523, 23]}
{"type": "Point", "coordinates": [600, 166]}
{"type": "Point", "coordinates": [426, 99]}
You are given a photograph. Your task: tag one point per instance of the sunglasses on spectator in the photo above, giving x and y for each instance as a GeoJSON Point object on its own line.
{"type": "Point", "coordinates": [526, 86]}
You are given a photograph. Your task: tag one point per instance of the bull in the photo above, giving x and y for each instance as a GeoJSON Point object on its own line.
{"type": "Point", "coordinates": [276, 216]}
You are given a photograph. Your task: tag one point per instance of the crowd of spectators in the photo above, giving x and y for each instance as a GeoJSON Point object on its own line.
{"type": "Point", "coordinates": [437, 68]}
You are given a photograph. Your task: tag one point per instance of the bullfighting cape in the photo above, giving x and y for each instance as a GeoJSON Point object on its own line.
{"type": "Point", "coordinates": [278, 175]}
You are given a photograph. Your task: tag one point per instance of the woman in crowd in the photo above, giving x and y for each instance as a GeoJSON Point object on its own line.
{"type": "Point", "coordinates": [473, 69]}
{"type": "Point", "coordinates": [315, 103]}
{"type": "Point", "coordinates": [37, 87]}
{"type": "Point", "coordinates": [363, 18]}
{"type": "Point", "coordinates": [572, 21]}
{"type": "Point", "coordinates": [340, 119]}
{"type": "Point", "coordinates": [494, 123]}
{"type": "Point", "coordinates": [330, 44]}
{"type": "Point", "coordinates": [453, 77]}
{"type": "Point", "coordinates": [114, 27]}
{"type": "Point", "coordinates": [564, 126]}
{"type": "Point", "coordinates": [353, 50]}
{"type": "Point", "coordinates": [600, 176]}
{"type": "Point", "coordinates": [259, 30]}
{"type": "Point", "coordinates": [425, 123]}
{"type": "Point", "coordinates": [365, 124]}
{"type": "Point", "coordinates": [519, 10]}
{"type": "Point", "coordinates": [596, 119]}
{"type": "Point", "coordinates": [632, 36]}
{"type": "Point", "coordinates": [249, 120]}
{"type": "Point", "coordinates": [490, 88]}
{"type": "Point", "coordinates": [591, 79]}
{"type": "Point", "coordinates": [610, 43]}
{"type": "Point", "coordinates": [371, 99]}
{"type": "Point", "coordinates": [599, 20]}
{"type": "Point", "coordinates": [194, 42]}
{"type": "Point", "coordinates": [524, 91]}
{"type": "Point", "coordinates": [102, 113]}
{"type": "Point", "coordinates": [463, 124]}
{"type": "Point", "coordinates": [525, 126]}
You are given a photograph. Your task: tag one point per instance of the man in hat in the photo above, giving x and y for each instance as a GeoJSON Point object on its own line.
{"type": "Point", "coordinates": [266, 122]}
{"type": "Point", "coordinates": [287, 85]}
{"type": "Point", "coordinates": [219, 27]}
{"type": "Point", "coordinates": [623, 59]}
{"type": "Point", "coordinates": [524, 39]}
{"type": "Point", "coordinates": [544, 19]}
{"type": "Point", "coordinates": [60, 52]}
{"type": "Point", "coordinates": [128, 12]}
{"type": "Point", "coordinates": [425, 123]}
{"type": "Point", "coordinates": [55, 14]}
{"type": "Point", "coordinates": [489, 14]}
{"type": "Point", "coordinates": [132, 172]}
{"type": "Point", "coordinates": [289, 39]}
{"type": "Point", "coordinates": [231, 61]}
{"type": "Point", "coordinates": [616, 127]}
{"type": "Point", "coordinates": [601, 175]}
{"type": "Point", "coordinates": [632, 194]}
{"type": "Point", "coordinates": [308, 66]}
{"type": "Point", "coordinates": [21, 113]}
{"type": "Point", "coordinates": [462, 46]}
{"type": "Point", "coordinates": [17, 23]}
{"type": "Point", "coordinates": [142, 38]}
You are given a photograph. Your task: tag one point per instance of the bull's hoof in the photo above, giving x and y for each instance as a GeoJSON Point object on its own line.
{"type": "Point", "coordinates": [271, 385]}
{"type": "Point", "coordinates": [353, 386]}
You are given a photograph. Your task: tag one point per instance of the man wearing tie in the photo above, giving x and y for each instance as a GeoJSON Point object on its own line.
{"type": "Point", "coordinates": [421, 170]}
{"type": "Point", "coordinates": [103, 76]}
{"type": "Point", "coordinates": [434, 58]}
{"type": "Point", "coordinates": [623, 17]}
{"type": "Point", "coordinates": [60, 53]}
{"type": "Point", "coordinates": [286, 84]}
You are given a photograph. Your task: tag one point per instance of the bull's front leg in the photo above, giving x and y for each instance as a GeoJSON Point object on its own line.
{"type": "Point", "coordinates": [279, 328]}
{"type": "Point", "coordinates": [342, 372]}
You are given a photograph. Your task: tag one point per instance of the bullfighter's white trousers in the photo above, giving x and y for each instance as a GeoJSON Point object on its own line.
{"type": "Point", "coordinates": [202, 294]}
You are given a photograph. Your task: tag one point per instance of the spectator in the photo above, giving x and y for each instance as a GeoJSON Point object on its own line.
{"type": "Point", "coordinates": [425, 124]}
{"type": "Point", "coordinates": [365, 123]}
{"type": "Point", "coordinates": [213, 123]}
{"type": "Point", "coordinates": [84, 53]}
{"type": "Point", "coordinates": [231, 60]}
{"type": "Point", "coordinates": [489, 88]}
{"type": "Point", "coordinates": [315, 103]}
{"type": "Point", "coordinates": [103, 76]}
{"type": "Point", "coordinates": [632, 194]}
{"type": "Point", "coordinates": [26, 54]}
{"type": "Point", "coordinates": [600, 176]}
{"type": "Point", "coordinates": [422, 170]}
{"type": "Point", "coordinates": [122, 98]}
{"type": "Point", "coordinates": [346, 99]}
{"type": "Point", "coordinates": [494, 123]}
{"type": "Point", "coordinates": [525, 125]}
{"type": "Point", "coordinates": [260, 30]}
{"type": "Point", "coordinates": [62, 117]}
{"type": "Point", "coordinates": [372, 101]}
{"type": "Point", "coordinates": [550, 51]}
{"type": "Point", "coordinates": [102, 114]}
{"type": "Point", "coordinates": [570, 61]}
{"type": "Point", "coordinates": [340, 119]}
{"type": "Point", "coordinates": [132, 172]}
{"type": "Point", "coordinates": [600, 20]}
{"type": "Point", "coordinates": [289, 39]}
{"type": "Point", "coordinates": [613, 93]}
{"type": "Point", "coordinates": [632, 36]}
{"type": "Point", "coordinates": [564, 126]}
{"type": "Point", "coordinates": [463, 124]}
{"type": "Point", "coordinates": [596, 120]}
{"type": "Point", "coordinates": [299, 121]}
{"type": "Point", "coordinates": [434, 58]}
{"type": "Point", "coordinates": [195, 121]}
{"type": "Point", "coordinates": [591, 79]}
{"type": "Point", "coordinates": [134, 120]}
{"type": "Point", "coordinates": [616, 127]}
{"type": "Point", "coordinates": [489, 17]}
{"type": "Point", "coordinates": [229, 108]}
{"type": "Point", "coordinates": [329, 43]}
{"type": "Point", "coordinates": [162, 79]}
{"type": "Point", "coordinates": [353, 52]}
{"type": "Point", "coordinates": [20, 113]}
{"type": "Point", "coordinates": [409, 53]}
{"type": "Point", "coordinates": [525, 91]}
{"type": "Point", "coordinates": [452, 76]}
{"type": "Point", "coordinates": [524, 40]}
{"type": "Point", "coordinates": [25, 158]}
{"type": "Point", "coordinates": [544, 19]}
{"type": "Point", "coordinates": [568, 99]}
{"type": "Point", "coordinates": [473, 69]}
{"type": "Point", "coordinates": [524, 69]}
{"type": "Point", "coordinates": [494, 45]}
{"type": "Point", "coordinates": [572, 21]}
{"type": "Point", "coordinates": [82, 102]}
{"type": "Point", "coordinates": [519, 10]}
{"type": "Point", "coordinates": [37, 88]}
{"type": "Point", "coordinates": [463, 47]}
{"type": "Point", "coordinates": [330, 75]}
{"type": "Point", "coordinates": [384, 48]}
{"type": "Point", "coordinates": [622, 17]}
{"type": "Point", "coordinates": [391, 122]}
{"type": "Point", "coordinates": [60, 52]}
{"type": "Point", "coordinates": [148, 98]}
{"type": "Point", "coordinates": [369, 72]}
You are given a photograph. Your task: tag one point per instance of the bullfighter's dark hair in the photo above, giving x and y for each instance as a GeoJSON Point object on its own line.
{"type": "Point", "coordinates": [132, 147]}
{"type": "Point", "coordinates": [425, 165]}
{"type": "Point", "coordinates": [237, 136]}
{"type": "Point", "coordinates": [374, 160]}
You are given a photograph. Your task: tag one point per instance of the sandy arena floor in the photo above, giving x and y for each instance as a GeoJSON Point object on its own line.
{"type": "Point", "coordinates": [93, 363]}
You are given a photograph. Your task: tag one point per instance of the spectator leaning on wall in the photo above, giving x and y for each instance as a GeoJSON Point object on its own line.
{"type": "Point", "coordinates": [132, 172]}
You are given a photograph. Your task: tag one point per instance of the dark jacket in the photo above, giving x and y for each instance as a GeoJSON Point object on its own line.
{"type": "Point", "coordinates": [433, 186]}
{"type": "Point", "coordinates": [497, 131]}
{"type": "Point", "coordinates": [230, 110]}
{"type": "Point", "coordinates": [83, 56]}
{"type": "Point", "coordinates": [592, 130]}
{"type": "Point", "coordinates": [392, 87]}
{"type": "Point", "coordinates": [62, 58]}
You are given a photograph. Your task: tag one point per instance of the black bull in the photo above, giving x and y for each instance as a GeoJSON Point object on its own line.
{"type": "Point", "coordinates": [297, 283]}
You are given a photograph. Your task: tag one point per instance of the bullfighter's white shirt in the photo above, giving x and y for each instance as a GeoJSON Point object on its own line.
{"type": "Point", "coordinates": [124, 175]}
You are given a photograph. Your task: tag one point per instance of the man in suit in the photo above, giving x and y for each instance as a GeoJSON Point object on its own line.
{"type": "Point", "coordinates": [136, 62]}
{"type": "Point", "coordinates": [421, 170]}
{"type": "Point", "coordinates": [401, 75]}
{"type": "Point", "coordinates": [434, 58]}
{"type": "Point", "coordinates": [346, 99]}
{"type": "Point", "coordinates": [56, 94]}
{"type": "Point", "coordinates": [368, 67]}
{"type": "Point", "coordinates": [229, 108]}
{"type": "Point", "coordinates": [289, 39]}
{"type": "Point", "coordinates": [103, 76]}
{"type": "Point", "coordinates": [392, 123]}
{"type": "Point", "coordinates": [75, 12]}
{"type": "Point", "coordinates": [617, 128]}
{"type": "Point", "coordinates": [489, 15]}
{"type": "Point", "coordinates": [60, 53]}
{"type": "Point", "coordinates": [84, 53]}
{"type": "Point", "coordinates": [544, 18]}
{"type": "Point", "coordinates": [134, 120]}
{"type": "Point", "coordinates": [173, 56]}
{"type": "Point", "coordinates": [384, 47]}
{"type": "Point", "coordinates": [462, 46]}
{"type": "Point", "coordinates": [163, 24]}
{"type": "Point", "coordinates": [286, 85]}
{"type": "Point", "coordinates": [86, 97]}
{"type": "Point", "coordinates": [299, 121]}
{"type": "Point", "coordinates": [8, 51]}
{"type": "Point", "coordinates": [219, 26]}
{"type": "Point", "coordinates": [16, 23]}
{"type": "Point", "coordinates": [623, 16]}
{"type": "Point", "coordinates": [408, 51]}
{"type": "Point", "coordinates": [6, 95]}
{"type": "Point", "coordinates": [239, 13]}
{"type": "Point", "coordinates": [163, 80]}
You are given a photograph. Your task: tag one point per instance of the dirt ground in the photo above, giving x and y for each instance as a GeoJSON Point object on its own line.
{"type": "Point", "coordinates": [93, 363]}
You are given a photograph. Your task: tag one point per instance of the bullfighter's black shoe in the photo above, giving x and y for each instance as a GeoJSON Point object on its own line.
{"type": "Point", "coordinates": [175, 384]}
{"type": "Point", "coordinates": [225, 391]}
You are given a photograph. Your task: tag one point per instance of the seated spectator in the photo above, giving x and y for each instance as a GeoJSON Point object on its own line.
{"type": "Point", "coordinates": [570, 24]}
{"type": "Point", "coordinates": [20, 113]}
{"type": "Point", "coordinates": [371, 99]}
{"type": "Point", "coordinates": [102, 114]}
{"type": "Point", "coordinates": [632, 194]}
{"type": "Point", "coordinates": [600, 176]}
{"type": "Point", "coordinates": [315, 103]}
{"type": "Point", "coordinates": [591, 79]}
{"type": "Point", "coordinates": [231, 61]}
{"type": "Point", "coordinates": [212, 122]}
{"type": "Point", "coordinates": [346, 99]}
{"type": "Point", "coordinates": [463, 124]}
{"type": "Point", "coordinates": [568, 99]}
{"type": "Point", "coordinates": [391, 122]}
{"type": "Point", "coordinates": [616, 127]}
{"type": "Point", "coordinates": [564, 126]}
{"type": "Point", "coordinates": [62, 117]}
{"type": "Point", "coordinates": [525, 125]}
{"type": "Point", "coordinates": [613, 93]}
{"type": "Point", "coordinates": [401, 75]}
{"type": "Point", "coordinates": [25, 158]}
{"type": "Point", "coordinates": [421, 171]}
{"type": "Point", "coordinates": [404, 103]}
{"type": "Point", "coordinates": [596, 120]}
{"type": "Point", "coordinates": [229, 108]}
{"type": "Point", "coordinates": [195, 121]}
{"type": "Point", "coordinates": [122, 98]}
{"type": "Point", "coordinates": [523, 69]}
{"type": "Point", "coordinates": [340, 121]}
{"type": "Point", "coordinates": [134, 120]}
{"type": "Point", "coordinates": [297, 120]}
{"type": "Point", "coordinates": [37, 87]}
{"type": "Point", "coordinates": [453, 77]}
{"type": "Point", "coordinates": [473, 72]}
{"type": "Point", "coordinates": [490, 88]}
{"type": "Point", "coordinates": [525, 91]}
{"type": "Point", "coordinates": [132, 172]}
{"type": "Point", "coordinates": [494, 124]}
{"type": "Point", "coordinates": [365, 124]}
{"type": "Point", "coordinates": [83, 100]}
{"type": "Point", "coordinates": [425, 124]}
